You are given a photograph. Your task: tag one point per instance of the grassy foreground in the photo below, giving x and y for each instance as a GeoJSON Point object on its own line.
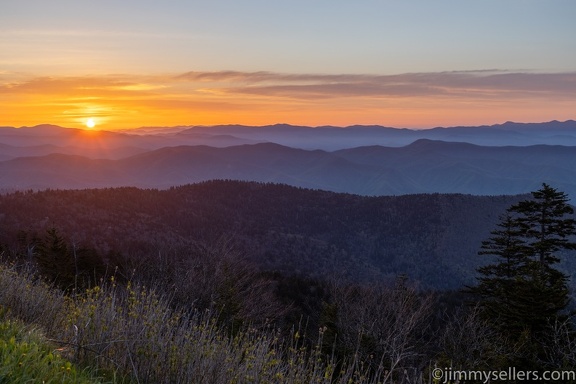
{"type": "Point", "coordinates": [26, 356]}
{"type": "Point", "coordinates": [135, 335]}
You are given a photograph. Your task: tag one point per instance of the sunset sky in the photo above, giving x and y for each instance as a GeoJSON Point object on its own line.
{"type": "Point", "coordinates": [410, 63]}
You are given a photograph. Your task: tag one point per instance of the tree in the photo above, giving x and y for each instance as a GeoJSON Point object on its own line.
{"type": "Point", "coordinates": [498, 280]}
{"type": "Point", "coordinates": [384, 325]}
{"type": "Point", "coordinates": [523, 293]}
{"type": "Point", "coordinates": [66, 265]}
{"type": "Point", "coordinates": [467, 341]}
{"type": "Point", "coordinates": [53, 259]}
{"type": "Point", "coordinates": [544, 224]}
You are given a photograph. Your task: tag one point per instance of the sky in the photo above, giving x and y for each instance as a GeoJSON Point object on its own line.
{"type": "Point", "coordinates": [400, 63]}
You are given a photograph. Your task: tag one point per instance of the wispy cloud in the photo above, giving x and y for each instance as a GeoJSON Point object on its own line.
{"type": "Point", "coordinates": [74, 85]}
{"type": "Point", "coordinates": [245, 97]}
{"type": "Point", "coordinates": [489, 83]}
{"type": "Point", "coordinates": [264, 76]}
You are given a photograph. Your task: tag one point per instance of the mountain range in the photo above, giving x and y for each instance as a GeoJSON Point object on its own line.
{"type": "Point", "coordinates": [510, 158]}
{"type": "Point", "coordinates": [106, 144]}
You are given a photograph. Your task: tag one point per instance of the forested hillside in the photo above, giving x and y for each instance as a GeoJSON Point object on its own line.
{"type": "Point", "coordinates": [433, 239]}
{"type": "Point", "coordinates": [233, 280]}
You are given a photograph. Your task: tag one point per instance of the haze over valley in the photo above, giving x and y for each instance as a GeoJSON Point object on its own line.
{"type": "Point", "coordinates": [429, 194]}
{"type": "Point", "coordinates": [503, 159]}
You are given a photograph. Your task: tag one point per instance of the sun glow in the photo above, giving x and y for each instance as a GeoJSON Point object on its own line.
{"type": "Point", "coordinates": [90, 123]}
{"type": "Point", "coordinates": [113, 102]}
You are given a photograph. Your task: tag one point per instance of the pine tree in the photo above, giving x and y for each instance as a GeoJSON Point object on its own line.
{"type": "Point", "coordinates": [54, 259]}
{"type": "Point", "coordinates": [544, 224]}
{"type": "Point", "coordinates": [66, 265]}
{"type": "Point", "coordinates": [523, 291]}
{"type": "Point", "coordinates": [498, 281]}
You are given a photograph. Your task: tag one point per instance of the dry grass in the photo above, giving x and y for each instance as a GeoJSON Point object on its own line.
{"type": "Point", "coordinates": [135, 332]}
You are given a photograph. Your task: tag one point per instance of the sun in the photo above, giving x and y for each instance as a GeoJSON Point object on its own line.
{"type": "Point", "coordinates": [90, 123]}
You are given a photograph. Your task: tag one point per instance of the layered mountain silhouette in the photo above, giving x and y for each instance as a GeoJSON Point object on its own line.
{"type": "Point", "coordinates": [422, 167]}
{"type": "Point", "coordinates": [328, 158]}
{"type": "Point", "coordinates": [107, 144]}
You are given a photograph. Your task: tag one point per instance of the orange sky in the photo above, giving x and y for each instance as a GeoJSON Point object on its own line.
{"type": "Point", "coordinates": [417, 100]}
{"type": "Point", "coordinates": [414, 64]}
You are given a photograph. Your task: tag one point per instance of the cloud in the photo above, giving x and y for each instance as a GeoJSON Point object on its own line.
{"type": "Point", "coordinates": [234, 96]}
{"type": "Point", "coordinates": [77, 85]}
{"type": "Point", "coordinates": [489, 84]}
{"type": "Point", "coordinates": [478, 84]}
{"type": "Point", "coordinates": [263, 76]}
{"type": "Point", "coordinates": [341, 89]}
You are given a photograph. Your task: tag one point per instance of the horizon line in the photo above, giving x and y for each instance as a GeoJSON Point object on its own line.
{"type": "Point", "coordinates": [188, 126]}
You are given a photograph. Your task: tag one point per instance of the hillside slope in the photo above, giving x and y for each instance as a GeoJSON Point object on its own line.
{"type": "Point", "coordinates": [433, 238]}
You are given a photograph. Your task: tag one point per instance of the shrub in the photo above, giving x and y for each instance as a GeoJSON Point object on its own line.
{"type": "Point", "coordinates": [27, 357]}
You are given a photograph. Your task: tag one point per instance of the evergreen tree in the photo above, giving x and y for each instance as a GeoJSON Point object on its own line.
{"type": "Point", "coordinates": [54, 259]}
{"type": "Point", "coordinates": [66, 265]}
{"type": "Point", "coordinates": [523, 291]}
{"type": "Point", "coordinates": [498, 281]}
{"type": "Point", "coordinates": [544, 224]}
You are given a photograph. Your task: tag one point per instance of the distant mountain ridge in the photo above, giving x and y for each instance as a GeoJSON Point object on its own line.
{"type": "Point", "coordinates": [333, 138]}
{"type": "Point", "coordinates": [425, 166]}
{"type": "Point", "coordinates": [509, 158]}
{"type": "Point", "coordinates": [327, 138]}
